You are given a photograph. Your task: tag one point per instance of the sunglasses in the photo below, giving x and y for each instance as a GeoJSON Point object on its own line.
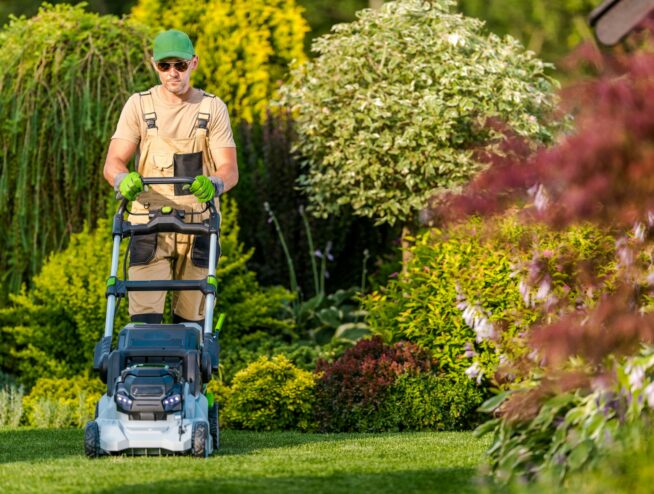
{"type": "Point", "coordinates": [179, 66]}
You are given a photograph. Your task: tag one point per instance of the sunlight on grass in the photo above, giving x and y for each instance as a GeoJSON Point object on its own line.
{"type": "Point", "coordinates": [250, 462]}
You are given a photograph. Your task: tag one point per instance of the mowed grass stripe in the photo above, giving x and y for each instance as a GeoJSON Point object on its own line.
{"type": "Point", "coordinates": [271, 462]}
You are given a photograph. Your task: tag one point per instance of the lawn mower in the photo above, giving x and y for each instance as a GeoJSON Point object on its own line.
{"type": "Point", "coordinates": [156, 373]}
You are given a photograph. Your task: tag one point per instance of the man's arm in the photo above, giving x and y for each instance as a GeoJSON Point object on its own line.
{"type": "Point", "coordinates": [120, 153]}
{"type": "Point", "coordinates": [226, 166]}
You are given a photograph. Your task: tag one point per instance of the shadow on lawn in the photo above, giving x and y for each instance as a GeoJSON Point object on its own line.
{"type": "Point", "coordinates": [39, 444]}
{"type": "Point", "coordinates": [443, 481]}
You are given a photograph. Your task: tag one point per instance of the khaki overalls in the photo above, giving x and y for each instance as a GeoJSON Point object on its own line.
{"type": "Point", "coordinates": [165, 256]}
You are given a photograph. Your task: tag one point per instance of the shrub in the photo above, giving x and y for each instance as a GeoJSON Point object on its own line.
{"type": "Point", "coordinates": [270, 394]}
{"type": "Point", "coordinates": [58, 322]}
{"type": "Point", "coordinates": [465, 297]}
{"type": "Point", "coordinates": [268, 171]}
{"type": "Point", "coordinates": [62, 402]}
{"type": "Point", "coordinates": [563, 418]}
{"type": "Point", "coordinates": [11, 405]}
{"type": "Point", "coordinates": [361, 390]}
{"type": "Point", "coordinates": [433, 402]}
{"type": "Point", "coordinates": [66, 72]}
{"type": "Point", "coordinates": [403, 95]}
{"type": "Point", "coordinates": [238, 353]}
{"type": "Point", "coordinates": [560, 426]}
{"type": "Point", "coordinates": [249, 307]}
{"type": "Point", "coordinates": [245, 46]}
{"type": "Point", "coordinates": [625, 466]}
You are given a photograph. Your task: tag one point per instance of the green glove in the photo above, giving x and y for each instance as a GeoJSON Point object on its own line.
{"type": "Point", "coordinates": [203, 188]}
{"type": "Point", "coordinates": [129, 185]}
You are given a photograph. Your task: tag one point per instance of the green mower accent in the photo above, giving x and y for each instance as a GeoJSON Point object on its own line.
{"type": "Point", "coordinates": [221, 320]}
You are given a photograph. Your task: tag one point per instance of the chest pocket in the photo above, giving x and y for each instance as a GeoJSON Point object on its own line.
{"type": "Point", "coordinates": [187, 165]}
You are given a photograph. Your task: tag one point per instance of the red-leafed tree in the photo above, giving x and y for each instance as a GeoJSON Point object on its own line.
{"type": "Point", "coordinates": [601, 172]}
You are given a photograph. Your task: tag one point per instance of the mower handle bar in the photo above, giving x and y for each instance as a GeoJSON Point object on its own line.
{"type": "Point", "coordinates": [165, 181]}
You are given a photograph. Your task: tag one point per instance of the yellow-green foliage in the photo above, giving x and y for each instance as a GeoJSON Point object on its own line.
{"type": "Point", "coordinates": [54, 327]}
{"type": "Point", "coordinates": [66, 73]}
{"type": "Point", "coordinates": [465, 293]}
{"type": "Point", "coordinates": [245, 46]}
{"type": "Point", "coordinates": [58, 322]}
{"type": "Point", "coordinates": [270, 394]}
{"type": "Point", "coordinates": [62, 402]}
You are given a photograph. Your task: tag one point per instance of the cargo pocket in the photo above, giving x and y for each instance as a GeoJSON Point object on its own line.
{"type": "Point", "coordinates": [142, 249]}
{"type": "Point", "coordinates": [186, 165]}
{"type": "Point", "coordinates": [200, 251]}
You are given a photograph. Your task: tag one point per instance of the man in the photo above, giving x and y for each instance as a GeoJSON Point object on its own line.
{"type": "Point", "coordinates": [175, 130]}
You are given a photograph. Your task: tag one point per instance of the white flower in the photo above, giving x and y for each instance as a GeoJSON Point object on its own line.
{"type": "Point", "coordinates": [475, 371]}
{"type": "Point", "coordinates": [524, 291]}
{"type": "Point", "coordinates": [636, 376]}
{"type": "Point", "coordinates": [541, 201]}
{"type": "Point", "coordinates": [639, 231]}
{"type": "Point", "coordinates": [484, 330]}
{"type": "Point", "coordinates": [543, 290]}
{"type": "Point", "coordinates": [649, 394]}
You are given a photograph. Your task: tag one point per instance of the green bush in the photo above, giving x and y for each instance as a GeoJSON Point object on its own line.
{"type": "Point", "coordinates": [270, 394]}
{"type": "Point", "coordinates": [245, 46]}
{"type": "Point", "coordinates": [565, 425]}
{"type": "Point", "coordinates": [432, 402]}
{"type": "Point", "coordinates": [624, 467]}
{"type": "Point", "coordinates": [56, 324]}
{"type": "Point", "coordinates": [391, 107]}
{"type": "Point", "coordinates": [66, 74]}
{"type": "Point", "coordinates": [466, 293]}
{"type": "Point", "coordinates": [237, 354]}
{"type": "Point", "coordinates": [249, 307]}
{"type": "Point", "coordinates": [62, 402]}
{"type": "Point", "coordinates": [268, 170]}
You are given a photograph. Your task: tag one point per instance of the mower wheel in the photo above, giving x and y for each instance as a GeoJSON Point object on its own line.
{"type": "Point", "coordinates": [199, 440]}
{"type": "Point", "coordinates": [214, 425]}
{"type": "Point", "coordinates": [92, 439]}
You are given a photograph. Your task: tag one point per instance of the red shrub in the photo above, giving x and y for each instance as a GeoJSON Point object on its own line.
{"type": "Point", "coordinates": [356, 384]}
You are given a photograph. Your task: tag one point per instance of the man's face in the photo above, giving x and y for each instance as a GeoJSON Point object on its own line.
{"type": "Point", "coordinates": [171, 75]}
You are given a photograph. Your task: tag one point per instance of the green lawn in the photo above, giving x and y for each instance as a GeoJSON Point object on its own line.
{"type": "Point", "coordinates": [53, 461]}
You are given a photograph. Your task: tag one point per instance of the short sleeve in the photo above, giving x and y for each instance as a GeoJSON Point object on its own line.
{"type": "Point", "coordinates": [220, 129]}
{"type": "Point", "coordinates": [129, 123]}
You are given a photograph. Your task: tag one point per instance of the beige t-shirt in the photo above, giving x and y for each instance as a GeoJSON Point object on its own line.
{"type": "Point", "coordinates": [175, 120]}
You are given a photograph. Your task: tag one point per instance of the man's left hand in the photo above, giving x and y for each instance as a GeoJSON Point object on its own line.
{"type": "Point", "coordinates": [205, 188]}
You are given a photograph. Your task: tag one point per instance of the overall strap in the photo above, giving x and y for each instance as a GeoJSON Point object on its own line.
{"type": "Point", "coordinates": [204, 114]}
{"type": "Point", "coordinates": [149, 115]}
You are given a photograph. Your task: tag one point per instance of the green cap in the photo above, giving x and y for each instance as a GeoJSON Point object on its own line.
{"type": "Point", "coordinates": [173, 44]}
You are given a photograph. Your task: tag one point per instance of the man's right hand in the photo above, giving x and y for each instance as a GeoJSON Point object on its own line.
{"type": "Point", "coordinates": [129, 185]}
